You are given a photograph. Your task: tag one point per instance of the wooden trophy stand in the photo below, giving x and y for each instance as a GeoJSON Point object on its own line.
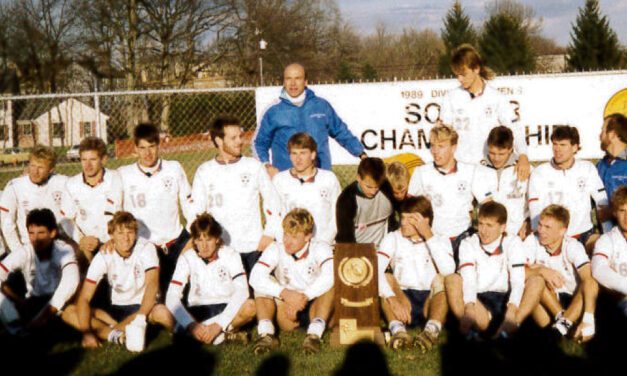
{"type": "Point", "coordinates": [357, 304]}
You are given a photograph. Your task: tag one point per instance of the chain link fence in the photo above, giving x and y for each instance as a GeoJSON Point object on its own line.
{"type": "Point", "coordinates": [63, 120]}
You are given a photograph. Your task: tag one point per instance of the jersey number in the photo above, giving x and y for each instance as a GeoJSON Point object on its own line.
{"type": "Point", "coordinates": [215, 200]}
{"type": "Point", "coordinates": [139, 200]}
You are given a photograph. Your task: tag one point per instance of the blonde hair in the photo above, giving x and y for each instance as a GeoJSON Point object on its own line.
{"type": "Point", "coordinates": [557, 212]}
{"type": "Point", "coordinates": [122, 219]}
{"type": "Point", "coordinates": [298, 221]}
{"type": "Point", "coordinates": [398, 175]}
{"type": "Point", "coordinates": [44, 152]}
{"type": "Point", "coordinates": [443, 133]}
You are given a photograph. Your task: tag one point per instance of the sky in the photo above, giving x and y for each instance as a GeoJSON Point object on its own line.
{"type": "Point", "coordinates": [557, 15]}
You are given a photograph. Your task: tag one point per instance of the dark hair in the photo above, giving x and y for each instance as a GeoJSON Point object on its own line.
{"type": "Point", "coordinates": [619, 198]}
{"type": "Point", "coordinates": [418, 204]}
{"type": "Point", "coordinates": [617, 123]}
{"type": "Point", "coordinates": [93, 144]}
{"type": "Point", "coordinates": [205, 224]}
{"type": "Point", "coordinates": [373, 167]}
{"type": "Point", "coordinates": [302, 140]}
{"type": "Point", "coordinates": [41, 217]}
{"type": "Point", "coordinates": [147, 132]}
{"type": "Point", "coordinates": [122, 219]}
{"type": "Point", "coordinates": [493, 209]}
{"type": "Point", "coordinates": [501, 137]}
{"type": "Point", "coordinates": [216, 129]}
{"type": "Point", "coordinates": [565, 132]}
{"type": "Point", "coordinates": [467, 56]}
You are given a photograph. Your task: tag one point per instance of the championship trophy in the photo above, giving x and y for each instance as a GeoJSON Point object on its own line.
{"type": "Point", "coordinates": [356, 295]}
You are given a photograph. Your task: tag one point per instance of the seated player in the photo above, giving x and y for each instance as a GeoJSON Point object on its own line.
{"type": "Point", "coordinates": [609, 260]}
{"type": "Point", "coordinates": [488, 295]}
{"type": "Point", "coordinates": [218, 301]}
{"type": "Point", "coordinates": [51, 273]}
{"type": "Point", "coordinates": [570, 294]}
{"type": "Point", "coordinates": [293, 281]}
{"type": "Point", "coordinates": [132, 270]}
{"type": "Point", "coordinates": [364, 209]}
{"type": "Point", "coordinates": [419, 259]}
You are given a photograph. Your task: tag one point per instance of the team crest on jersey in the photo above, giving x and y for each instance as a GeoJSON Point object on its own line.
{"type": "Point", "coordinates": [56, 196]}
{"type": "Point", "coordinates": [168, 183]}
{"type": "Point", "coordinates": [462, 187]}
{"type": "Point", "coordinates": [489, 111]}
{"type": "Point", "coordinates": [222, 274]}
{"type": "Point", "coordinates": [245, 178]}
{"type": "Point", "coordinates": [311, 270]}
{"type": "Point", "coordinates": [581, 184]}
{"type": "Point", "coordinates": [324, 193]}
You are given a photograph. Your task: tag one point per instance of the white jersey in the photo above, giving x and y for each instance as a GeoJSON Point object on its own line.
{"type": "Point", "coordinates": [126, 276]}
{"type": "Point", "coordinates": [451, 194]}
{"type": "Point", "coordinates": [154, 199]}
{"type": "Point", "coordinates": [318, 194]}
{"type": "Point", "coordinates": [415, 265]}
{"type": "Point", "coordinates": [230, 193]}
{"type": "Point", "coordinates": [57, 276]}
{"type": "Point", "coordinates": [21, 196]}
{"type": "Point", "coordinates": [495, 267]}
{"type": "Point", "coordinates": [512, 193]}
{"type": "Point", "coordinates": [567, 260]}
{"type": "Point", "coordinates": [474, 118]}
{"type": "Point", "coordinates": [221, 280]}
{"type": "Point", "coordinates": [609, 261]}
{"type": "Point", "coordinates": [91, 208]}
{"type": "Point", "coordinates": [309, 271]}
{"type": "Point", "coordinates": [571, 188]}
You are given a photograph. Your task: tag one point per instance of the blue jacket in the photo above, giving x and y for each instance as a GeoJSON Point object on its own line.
{"type": "Point", "coordinates": [316, 117]}
{"type": "Point", "coordinates": [613, 172]}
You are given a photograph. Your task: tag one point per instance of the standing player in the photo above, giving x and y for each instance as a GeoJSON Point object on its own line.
{"type": "Point", "coordinates": [298, 275]}
{"type": "Point", "coordinates": [50, 271]}
{"type": "Point", "coordinates": [41, 188]}
{"type": "Point", "coordinates": [420, 260]}
{"type": "Point", "coordinates": [154, 190]}
{"type": "Point", "coordinates": [228, 188]}
{"type": "Point", "coordinates": [451, 186]}
{"type": "Point", "coordinates": [93, 197]}
{"type": "Point", "coordinates": [307, 187]}
{"type": "Point", "coordinates": [475, 107]}
{"type": "Point", "coordinates": [489, 294]}
{"type": "Point", "coordinates": [510, 192]}
{"type": "Point", "coordinates": [609, 260]}
{"type": "Point", "coordinates": [218, 288]}
{"type": "Point", "coordinates": [571, 183]}
{"type": "Point", "coordinates": [570, 294]}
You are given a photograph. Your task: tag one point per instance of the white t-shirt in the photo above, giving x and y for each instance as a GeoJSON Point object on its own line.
{"type": "Point", "coordinates": [609, 261]}
{"type": "Point", "coordinates": [154, 200]}
{"type": "Point", "coordinates": [126, 276]}
{"type": "Point", "coordinates": [318, 195]}
{"type": "Point", "coordinates": [451, 194]}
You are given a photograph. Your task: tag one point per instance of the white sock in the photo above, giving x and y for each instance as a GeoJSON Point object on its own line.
{"type": "Point", "coordinates": [433, 326]}
{"type": "Point", "coordinates": [265, 327]}
{"type": "Point", "coordinates": [219, 339]}
{"type": "Point", "coordinates": [317, 326]}
{"type": "Point", "coordinates": [397, 326]}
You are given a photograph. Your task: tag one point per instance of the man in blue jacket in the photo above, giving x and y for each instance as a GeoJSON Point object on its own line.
{"type": "Point", "coordinates": [300, 110]}
{"type": "Point", "coordinates": [613, 167]}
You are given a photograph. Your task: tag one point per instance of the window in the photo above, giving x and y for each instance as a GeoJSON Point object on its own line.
{"type": "Point", "coordinates": [58, 130]}
{"type": "Point", "coordinates": [86, 128]}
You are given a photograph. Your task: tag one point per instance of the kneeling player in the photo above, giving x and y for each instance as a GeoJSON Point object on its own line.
{"type": "Point", "coordinates": [50, 271]}
{"type": "Point", "coordinates": [132, 270]}
{"type": "Point", "coordinates": [218, 294]}
{"type": "Point", "coordinates": [302, 284]}
{"type": "Point", "coordinates": [571, 292]}
{"type": "Point", "coordinates": [609, 260]}
{"type": "Point", "coordinates": [489, 294]}
{"type": "Point", "coordinates": [419, 260]}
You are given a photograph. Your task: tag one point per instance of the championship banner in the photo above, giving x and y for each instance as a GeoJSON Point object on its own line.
{"type": "Point", "coordinates": [394, 118]}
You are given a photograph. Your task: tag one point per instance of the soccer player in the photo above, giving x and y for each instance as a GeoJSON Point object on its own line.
{"type": "Point", "coordinates": [49, 269]}
{"type": "Point", "coordinates": [475, 107]}
{"type": "Point", "coordinates": [228, 187]}
{"type": "Point", "coordinates": [40, 188]}
{"type": "Point", "coordinates": [308, 187]}
{"type": "Point", "coordinates": [570, 294]}
{"type": "Point", "coordinates": [293, 281]}
{"type": "Point", "coordinates": [218, 301]}
{"type": "Point", "coordinates": [613, 167]}
{"type": "Point", "coordinates": [488, 295]}
{"type": "Point", "coordinates": [609, 260]}
{"type": "Point", "coordinates": [92, 197]}
{"type": "Point", "coordinates": [364, 209]}
{"type": "Point", "coordinates": [420, 260]}
{"type": "Point", "coordinates": [155, 190]}
{"type": "Point", "coordinates": [132, 270]}
{"type": "Point", "coordinates": [451, 186]}
{"type": "Point", "coordinates": [571, 183]}
{"type": "Point", "coordinates": [511, 191]}
{"type": "Point", "coordinates": [398, 176]}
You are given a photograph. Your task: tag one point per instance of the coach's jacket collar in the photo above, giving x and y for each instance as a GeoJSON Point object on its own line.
{"type": "Point", "coordinates": [224, 163]}
{"type": "Point", "coordinates": [310, 179]}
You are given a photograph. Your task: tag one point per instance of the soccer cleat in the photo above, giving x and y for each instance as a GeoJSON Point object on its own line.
{"type": "Point", "coordinates": [426, 340]}
{"type": "Point", "coordinates": [117, 336]}
{"type": "Point", "coordinates": [311, 344]}
{"type": "Point", "coordinates": [562, 326]}
{"type": "Point", "coordinates": [265, 344]}
{"type": "Point", "coordinates": [400, 340]}
{"type": "Point", "coordinates": [236, 337]}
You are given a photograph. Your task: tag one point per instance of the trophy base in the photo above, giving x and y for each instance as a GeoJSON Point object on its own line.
{"type": "Point", "coordinates": [347, 333]}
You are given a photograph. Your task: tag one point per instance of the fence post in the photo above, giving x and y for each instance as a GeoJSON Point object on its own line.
{"type": "Point", "coordinates": [97, 108]}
